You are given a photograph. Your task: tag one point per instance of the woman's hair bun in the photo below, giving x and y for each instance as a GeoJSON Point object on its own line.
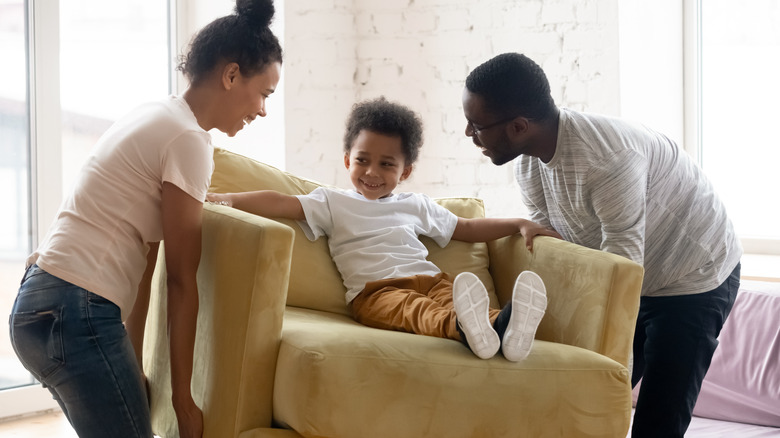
{"type": "Point", "coordinates": [257, 12]}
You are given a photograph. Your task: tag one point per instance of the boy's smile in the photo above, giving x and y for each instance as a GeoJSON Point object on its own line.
{"type": "Point", "coordinates": [376, 164]}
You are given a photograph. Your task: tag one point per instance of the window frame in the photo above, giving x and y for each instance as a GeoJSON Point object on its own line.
{"type": "Point", "coordinates": [45, 159]}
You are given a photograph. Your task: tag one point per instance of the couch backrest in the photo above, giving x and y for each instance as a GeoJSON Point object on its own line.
{"type": "Point", "coordinates": [315, 283]}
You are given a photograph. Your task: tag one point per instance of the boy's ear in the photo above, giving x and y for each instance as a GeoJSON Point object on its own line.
{"type": "Point", "coordinates": [346, 161]}
{"type": "Point", "coordinates": [230, 75]}
{"type": "Point", "coordinates": [407, 171]}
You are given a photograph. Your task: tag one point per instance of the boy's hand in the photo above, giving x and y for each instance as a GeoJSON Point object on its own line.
{"type": "Point", "coordinates": [219, 199]}
{"type": "Point", "coordinates": [529, 230]}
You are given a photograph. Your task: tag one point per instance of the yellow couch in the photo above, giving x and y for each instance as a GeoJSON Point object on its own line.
{"type": "Point", "coordinates": [277, 354]}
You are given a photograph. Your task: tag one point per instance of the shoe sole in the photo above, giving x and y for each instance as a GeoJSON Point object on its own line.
{"type": "Point", "coordinates": [529, 301]}
{"type": "Point", "coordinates": [471, 303]}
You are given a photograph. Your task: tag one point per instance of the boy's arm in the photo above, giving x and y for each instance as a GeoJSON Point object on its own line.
{"type": "Point", "coordinates": [487, 229]}
{"type": "Point", "coordinates": [267, 203]}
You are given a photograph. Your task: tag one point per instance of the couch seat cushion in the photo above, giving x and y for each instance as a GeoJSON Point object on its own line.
{"type": "Point", "coordinates": [337, 378]}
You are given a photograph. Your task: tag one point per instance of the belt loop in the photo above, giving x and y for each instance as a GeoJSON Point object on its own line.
{"type": "Point", "coordinates": [27, 272]}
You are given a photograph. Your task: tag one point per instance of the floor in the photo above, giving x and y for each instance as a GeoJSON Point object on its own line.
{"type": "Point", "coordinates": [51, 424]}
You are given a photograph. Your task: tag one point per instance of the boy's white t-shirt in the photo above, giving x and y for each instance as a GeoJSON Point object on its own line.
{"type": "Point", "coordinates": [373, 240]}
{"type": "Point", "coordinates": [98, 240]}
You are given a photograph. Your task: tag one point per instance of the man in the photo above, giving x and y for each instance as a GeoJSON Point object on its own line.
{"type": "Point", "coordinates": [620, 187]}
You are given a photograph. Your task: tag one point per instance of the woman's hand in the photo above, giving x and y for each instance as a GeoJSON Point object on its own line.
{"type": "Point", "coordinates": [190, 419]}
{"type": "Point", "coordinates": [529, 230]}
{"type": "Point", "coordinates": [219, 199]}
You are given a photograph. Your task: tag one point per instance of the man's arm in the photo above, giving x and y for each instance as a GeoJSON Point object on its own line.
{"type": "Point", "coordinates": [619, 199]}
{"type": "Point", "coordinates": [267, 203]}
{"type": "Point", "coordinates": [487, 229]}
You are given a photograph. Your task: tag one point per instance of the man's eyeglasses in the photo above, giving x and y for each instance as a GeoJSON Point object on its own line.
{"type": "Point", "coordinates": [476, 130]}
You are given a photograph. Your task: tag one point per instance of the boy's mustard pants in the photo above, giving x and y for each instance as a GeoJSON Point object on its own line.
{"type": "Point", "coordinates": [420, 304]}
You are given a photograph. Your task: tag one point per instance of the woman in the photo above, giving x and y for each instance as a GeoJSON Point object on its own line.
{"type": "Point", "coordinates": [144, 182]}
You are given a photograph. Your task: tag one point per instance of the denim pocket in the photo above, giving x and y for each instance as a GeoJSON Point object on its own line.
{"type": "Point", "coordinates": [37, 339]}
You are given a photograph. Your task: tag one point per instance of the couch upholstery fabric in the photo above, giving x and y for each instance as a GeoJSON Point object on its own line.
{"type": "Point", "coordinates": [333, 377]}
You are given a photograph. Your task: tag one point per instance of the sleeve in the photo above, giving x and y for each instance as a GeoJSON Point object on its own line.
{"type": "Point", "coordinates": [188, 162]}
{"type": "Point", "coordinates": [537, 210]}
{"type": "Point", "coordinates": [437, 222]}
{"type": "Point", "coordinates": [619, 195]}
{"type": "Point", "coordinates": [532, 192]}
{"type": "Point", "coordinates": [316, 209]}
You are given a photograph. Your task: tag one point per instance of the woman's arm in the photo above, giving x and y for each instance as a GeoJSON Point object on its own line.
{"type": "Point", "coordinates": [267, 203]}
{"type": "Point", "coordinates": [181, 216]}
{"type": "Point", "coordinates": [487, 229]}
{"type": "Point", "coordinates": [136, 322]}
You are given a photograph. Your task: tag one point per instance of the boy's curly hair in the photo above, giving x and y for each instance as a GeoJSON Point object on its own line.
{"type": "Point", "coordinates": [388, 118]}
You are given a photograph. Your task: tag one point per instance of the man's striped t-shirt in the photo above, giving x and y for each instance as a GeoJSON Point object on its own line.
{"type": "Point", "coordinates": [623, 188]}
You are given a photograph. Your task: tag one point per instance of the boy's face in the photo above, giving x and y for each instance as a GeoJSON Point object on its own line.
{"type": "Point", "coordinates": [376, 164]}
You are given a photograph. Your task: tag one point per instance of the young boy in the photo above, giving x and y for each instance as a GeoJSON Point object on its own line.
{"type": "Point", "coordinates": [373, 236]}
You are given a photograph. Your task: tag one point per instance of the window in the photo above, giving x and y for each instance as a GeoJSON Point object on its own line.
{"type": "Point", "coordinates": [70, 69]}
{"type": "Point", "coordinates": [112, 57]}
{"type": "Point", "coordinates": [703, 73]}
{"type": "Point", "coordinates": [14, 176]}
{"type": "Point", "coordinates": [740, 151]}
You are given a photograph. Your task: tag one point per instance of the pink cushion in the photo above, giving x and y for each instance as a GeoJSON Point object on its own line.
{"type": "Point", "coordinates": [743, 382]}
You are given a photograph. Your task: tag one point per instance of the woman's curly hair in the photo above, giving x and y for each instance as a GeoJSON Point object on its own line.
{"type": "Point", "coordinates": [243, 37]}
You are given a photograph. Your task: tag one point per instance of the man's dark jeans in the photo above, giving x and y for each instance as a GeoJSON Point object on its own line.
{"type": "Point", "coordinates": [674, 342]}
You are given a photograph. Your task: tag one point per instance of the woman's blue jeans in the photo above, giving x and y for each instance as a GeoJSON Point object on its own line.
{"type": "Point", "coordinates": [73, 341]}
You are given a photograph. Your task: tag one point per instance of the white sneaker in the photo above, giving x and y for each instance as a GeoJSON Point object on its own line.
{"type": "Point", "coordinates": [471, 303]}
{"type": "Point", "coordinates": [529, 301]}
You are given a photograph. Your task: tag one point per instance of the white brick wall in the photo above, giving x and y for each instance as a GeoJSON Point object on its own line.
{"type": "Point", "coordinates": [418, 52]}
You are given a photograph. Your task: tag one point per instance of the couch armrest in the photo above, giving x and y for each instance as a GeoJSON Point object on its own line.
{"type": "Point", "coordinates": [242, 287]}
{"type": "Point", "coordinates": [593, 296]}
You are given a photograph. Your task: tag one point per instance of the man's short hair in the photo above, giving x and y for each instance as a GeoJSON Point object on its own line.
{"type": "Point", "coordinates": [512, 84]}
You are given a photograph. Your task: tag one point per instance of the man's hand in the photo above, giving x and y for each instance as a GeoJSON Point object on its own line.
{"type": "Point", "coordinates": [529, 230]}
